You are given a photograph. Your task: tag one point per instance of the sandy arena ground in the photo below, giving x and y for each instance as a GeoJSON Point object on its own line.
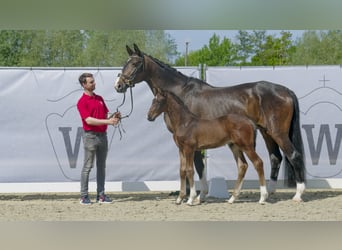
{"type": "Point", "coordinates": [318, 205]}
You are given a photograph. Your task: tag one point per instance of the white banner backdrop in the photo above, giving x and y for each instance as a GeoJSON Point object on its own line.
{"type": "Point", "coordinates": [319, 90]}
{"type": "Point", "coordinates": [41, 128]}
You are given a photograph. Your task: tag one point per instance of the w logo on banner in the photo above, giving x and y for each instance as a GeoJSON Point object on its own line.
{"type": "Point", "coordinates": [322, 131]}
{"type": "Point", "coordinates": [66, 140]}
{"type": "Point", "coordinates": [72, 152]}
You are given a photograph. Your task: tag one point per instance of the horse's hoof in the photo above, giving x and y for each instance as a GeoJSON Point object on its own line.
{"type": "Point", "coordinates": [264, 197]}
{"type": "Point", "coordinates": [199, 200]}
{"type": "Point", "coordinates": [231, 200]}
{"type": "Point", "coordinates": [262, 202]}
{"type": "Point", "coordinates": [178, 201]}
{"type": "Point", "coordinates": [297, 199]}
{"type": "Point", "coordinates": [193, 202]}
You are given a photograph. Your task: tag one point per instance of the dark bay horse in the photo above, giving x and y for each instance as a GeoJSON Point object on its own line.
{"type": "Point", "coordinates": [272, 107]}
{"type": "Point", "coordinates": [191, 133]}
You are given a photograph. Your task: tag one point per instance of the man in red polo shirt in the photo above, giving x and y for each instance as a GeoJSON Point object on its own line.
{"type": "Point", "coordinates": [94, 112]}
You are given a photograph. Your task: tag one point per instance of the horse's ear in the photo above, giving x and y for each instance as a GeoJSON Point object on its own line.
{"type": "Point", "coordinates": [129, 50]}
{"type": "Point", "coordinates": [137, 50]}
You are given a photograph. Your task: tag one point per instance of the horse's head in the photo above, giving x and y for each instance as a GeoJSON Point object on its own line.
{"type": "Point", "coordinates": [131, 72]}
{"type": "Point", "coordinates": [157, 107]}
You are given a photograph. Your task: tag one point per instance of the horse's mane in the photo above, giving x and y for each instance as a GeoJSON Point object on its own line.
{"type": "Point", "coordinates": [168, 67]}
{"type": "Point", "coordinates": [160, 63]}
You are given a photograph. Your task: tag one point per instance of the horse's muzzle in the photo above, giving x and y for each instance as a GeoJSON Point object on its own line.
{"type": "Point", "coordinates": [120, 86]}
{"type": "Point", "coordinates": [151, 119]}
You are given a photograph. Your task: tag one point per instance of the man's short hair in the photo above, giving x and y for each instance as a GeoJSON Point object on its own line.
{"type": "Point", "coordinates": [83, 78]}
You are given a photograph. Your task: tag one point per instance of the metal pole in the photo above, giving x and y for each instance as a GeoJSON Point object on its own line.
{"type": "Point", "coordinates": [186, 53]}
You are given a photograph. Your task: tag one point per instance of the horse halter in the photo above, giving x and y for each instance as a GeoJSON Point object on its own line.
{"type": "Point", "coordinates": [128, 79]}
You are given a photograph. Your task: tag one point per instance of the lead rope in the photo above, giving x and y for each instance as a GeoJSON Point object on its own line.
{"type": "Point", "coordinates": [119, 125]}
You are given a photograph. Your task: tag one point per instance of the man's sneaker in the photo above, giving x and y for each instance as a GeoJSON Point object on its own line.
{"type": "Point", "coordinates": [103, 199]}
{"type": "Point", "coordinates": [85, 200]}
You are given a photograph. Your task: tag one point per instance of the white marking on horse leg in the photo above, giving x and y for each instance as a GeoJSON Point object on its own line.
{"type": "Point", "coordinates": [235, 194]}
{"type": "Point", "coordinates": [204, 186]}
{"type": "Point", "coordinates": [204, 191]}
{"type": "Point", "coordinates": [299, 192]}
{"type": "Point", "coordinates": [263, 194]}
{"type": "Point", "coordinates": [272, 186]}
{"type": "Point", "coordinates": [192, 195]}
{"type": "Point", "coordinates": [182, 191]}
{"type": "Point", "coordinates": [231, 199]}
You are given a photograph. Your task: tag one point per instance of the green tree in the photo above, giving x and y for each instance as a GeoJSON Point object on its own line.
{"type": "Point", "coordinates": [11, 47]}
{"type": "Point", "coordinates": [160, 45]}
{"type": "Point", "coordinates": [78, 48]}
{"type": "Point", "coordinates": [62, 48]}
{"type": "Point", "coordinates": [217, 53]}
{"type": "Point", "coordinates": [252, 48]}
{"type": "Point", "coordinates": [32, 50]}
{"type": "Point", "coordinates": [108, 48]}
{"type": "Point", "coordinates": [250, 44]}
{"type": "Point", "coordinates": [105, 49]}
{"type": "Point", "coordinates": [274, 51]}
{"type": "Point", "coordinates": [319, 48]}
{"type": "Point", "coordinates": [245, 47]}
{"type": "Point", "coordinates": [45, 48]}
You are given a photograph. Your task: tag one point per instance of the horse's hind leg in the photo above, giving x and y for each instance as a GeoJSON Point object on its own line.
{"type": "Point", "coordinates": [296, 160]}
{"type": "Point", "coordinates": [201, 171]}
{"type": "Point", "coordinates": [259, 166]}
{"type": "Point", "coordinates": [242, 168]}
{"type": "Point", "coordinates": [275, 158]}
{"type": "Point", "coordinates": [204, 187]}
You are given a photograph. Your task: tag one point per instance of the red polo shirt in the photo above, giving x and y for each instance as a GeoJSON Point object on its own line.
{"type": "Point", "coordinates": [92, 106]}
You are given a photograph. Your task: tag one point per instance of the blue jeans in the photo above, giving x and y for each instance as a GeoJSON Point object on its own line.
{"type": "Point", "coordinates": [95, 146]}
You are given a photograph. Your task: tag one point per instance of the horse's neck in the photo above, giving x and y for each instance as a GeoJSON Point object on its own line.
{"type": "Point", "coordinates": [178, 114]}
{"type": "Point", "coordinates": [163, 77]}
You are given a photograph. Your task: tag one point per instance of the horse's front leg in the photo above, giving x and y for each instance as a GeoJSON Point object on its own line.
{"type": "Point", "coordinates": [193, 194]}
{"type": "Point", "coordinates": [190, 176]}
{"type": "Point", "coordinates": [182, 175]}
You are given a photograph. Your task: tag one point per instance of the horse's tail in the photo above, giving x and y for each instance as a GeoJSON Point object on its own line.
{"type": "Point", "coordinates": [295, 136]}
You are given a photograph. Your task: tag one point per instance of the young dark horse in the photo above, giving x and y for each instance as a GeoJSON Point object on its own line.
{"type": "Point", "coordinates": [191, 133]}
{"type": "Point", "coordinates": [272, 107]}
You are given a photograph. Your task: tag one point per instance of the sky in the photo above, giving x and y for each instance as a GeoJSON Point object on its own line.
{"type": "Point", "coordinates": [198, 38]}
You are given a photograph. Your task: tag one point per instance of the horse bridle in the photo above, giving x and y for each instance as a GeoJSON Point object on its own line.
{"type": "Point", "coordinates": [128, 79]}
{"type": "Point", "coordinates": [122, 103]}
